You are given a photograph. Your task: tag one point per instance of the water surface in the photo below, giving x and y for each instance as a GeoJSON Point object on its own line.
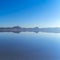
{"type": "Point", "coordinates": [29, 46]}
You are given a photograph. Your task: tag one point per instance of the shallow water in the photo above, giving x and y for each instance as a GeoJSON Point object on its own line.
{"type": "Point", "coordinates": [29, 46]}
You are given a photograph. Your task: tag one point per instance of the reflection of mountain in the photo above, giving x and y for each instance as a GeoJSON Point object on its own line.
{"type": "Point", "coordinates": [18, 29]}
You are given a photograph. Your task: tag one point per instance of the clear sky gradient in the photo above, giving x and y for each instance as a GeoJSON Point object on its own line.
{"type": "Point", "coordinates": [30, 13]}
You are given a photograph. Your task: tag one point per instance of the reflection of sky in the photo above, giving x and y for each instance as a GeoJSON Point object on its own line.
{"type": "Point", "coordinates": [30, 44]}
{"type": "Point", "coordinates": [30, 13]}
{"type": "Point", "coordinates": [28, 35]}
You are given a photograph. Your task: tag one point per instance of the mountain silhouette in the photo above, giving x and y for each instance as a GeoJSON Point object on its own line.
{"type": "Point", "coordinates": [17, 29]}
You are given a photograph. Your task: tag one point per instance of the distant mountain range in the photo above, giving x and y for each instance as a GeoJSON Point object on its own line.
{"type": "Point", "coordinates": [18, 29]}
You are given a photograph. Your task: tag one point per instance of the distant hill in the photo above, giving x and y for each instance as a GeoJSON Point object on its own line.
{"type": "Point", "coordinates": [18, 29]}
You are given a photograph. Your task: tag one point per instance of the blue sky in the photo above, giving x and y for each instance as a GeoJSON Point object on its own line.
{"type": "Point", "coordinates": [30, 13]}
